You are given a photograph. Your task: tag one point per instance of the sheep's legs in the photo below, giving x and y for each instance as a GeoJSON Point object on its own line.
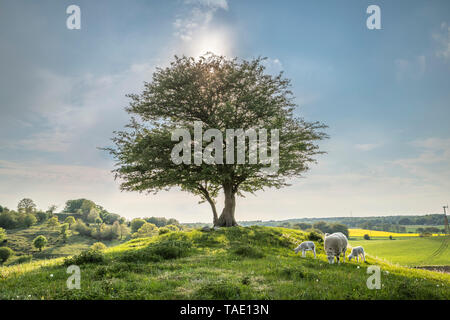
{"type": "Point", "coordinates": [314, 253]}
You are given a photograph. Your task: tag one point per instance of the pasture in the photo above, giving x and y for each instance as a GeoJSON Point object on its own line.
{"type": "Point", "coordinates": [229, 263]}
{"type": "Point", "coordinates": [407, 251]}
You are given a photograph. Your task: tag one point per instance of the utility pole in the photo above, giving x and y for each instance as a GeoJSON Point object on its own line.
{"type": "Point", "coordinates": [447, 231]}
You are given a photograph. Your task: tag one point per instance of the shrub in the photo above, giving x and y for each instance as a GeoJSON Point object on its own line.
{"type": "Point", "coordinates": [40, 242]}
{"type": "Point", "coordinates": [29, 220]}
{"type": "Point", "coordinates": [248, 252]}
{"type": "Point", "coordinates": [390, 237]}
{"type": "Point", "coordinates": [172, 227]}
{"type": "Point", "coordinates": [2, 235]}
{"type": "Point", "coordinates": [53, 222]}
{"type": "Point", "coordinates": [41, 216]}
{"type": "Point", "coordinates": [172, 249]}
{"type": "Point", "coordinates": [136, 224]}
{"type": "Point", "coordinates": [366, 237]}
{"type": "Point", "coordinates": [5, 253]}
{"type": "Point", "coordinates": [99, 246]}
{"type": "Point", "coordinates": [147, 230]}
{"type": "Point", "coordinates": [314, 235]}
{"type": "Point", "coordinates": [163, 230]}
{"type": "Point", "coordinates": [87, 256]}
{"type": "Point", "coordinates": [82, 228]}
{"type": "Point", "coordinates": [70, 220]}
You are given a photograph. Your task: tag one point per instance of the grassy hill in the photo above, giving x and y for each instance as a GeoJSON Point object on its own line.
{"type": "Point", "coordinates": [21, 241]}
{"type": "Point", "coordinates": [229, 263]}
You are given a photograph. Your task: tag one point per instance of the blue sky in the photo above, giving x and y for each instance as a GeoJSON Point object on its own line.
{"type": "Point", "coordinates": [383, 93]}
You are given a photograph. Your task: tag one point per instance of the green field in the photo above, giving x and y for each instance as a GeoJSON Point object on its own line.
{"type": "Point", "coordinates": [229, 263]}
{"type": "Point", "coordinates": [414, 251]}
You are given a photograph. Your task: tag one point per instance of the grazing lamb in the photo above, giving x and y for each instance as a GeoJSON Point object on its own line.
{"type": "Point", "coordinates": [306, 246]}
{"type": "Point", "coordinates": [356, 252]}
{"type": "Point", "coordinates": [335, 244]}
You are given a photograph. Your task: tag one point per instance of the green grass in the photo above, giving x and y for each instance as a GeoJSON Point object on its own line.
{"type": "Point", "coordinates": [229, 263]}
{"type": "Point", "coordinates": [414, 251]}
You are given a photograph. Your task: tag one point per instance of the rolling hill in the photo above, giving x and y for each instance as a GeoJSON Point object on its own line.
{"type": "Point", "coordinates": [229, 263]}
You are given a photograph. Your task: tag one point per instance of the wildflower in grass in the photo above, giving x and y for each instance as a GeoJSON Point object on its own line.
{"type": "Point", "coordinates": [51, 275]}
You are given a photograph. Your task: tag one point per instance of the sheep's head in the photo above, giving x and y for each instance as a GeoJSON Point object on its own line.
{"type": "Point", "coordinates": [330, 257]}
{"type": "Point", "coordinates": [350, 257]}
{"type": "Point", "coordinates": [297, 249]}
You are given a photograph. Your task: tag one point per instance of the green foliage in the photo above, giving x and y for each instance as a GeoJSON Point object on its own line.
{"type": "Point", "coordinates": [64, 231]}
{"type": "Point", "coordinates": [3, 235]}
{"type": "Point", "coordinates": [70, 220]}
{"type": "Point", "coordinates": [81, 227]}
{"type": "Point", "coordinates": [314, 235]}
{"type": "Point", "coordinates": [12, 219]}
{"type": "Point", "coordinates": [5, 253]}
{"type": "Point", "coordinates": [29, 220]}
{"type": "Point", "coordinates": [181, 94]}
{"type": "Point", "coordinates": [172, 227]}
{"type": "Point", "coordinates": [146, 230]}
{"type": "Point", "coordinates": [161, 221]}
{"type": "Point", "coordinates": [163, 230]}
{"type": "Point", "coordinates": [85, 257]}
{"type": "Point", "coordinates": [303, 225]}
{"type": "Point", "coordinates": [326, 227]}
{"type": "Point", "coordinates": [366, 237]}
{"type": "Point", "coordinates": [136, 224]}
{"type": "Point", "coordinates": [99, 246]}
{"type": "Point", "coordinates": [39, 242]}
{"type": "Point", "coordinates": [42, 216]}
{"type": "Point", "coordinates": [53, 222]}
{"type": "Point", "coordinates": [26, 205]}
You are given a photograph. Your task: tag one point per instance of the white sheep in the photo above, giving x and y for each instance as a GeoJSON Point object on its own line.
{"type": "Point", "coordinates": [306, 246]}
{"type": "Point", "coordinates": [335, 244]}
{"type": "Point", "coordinates": [356, 252]}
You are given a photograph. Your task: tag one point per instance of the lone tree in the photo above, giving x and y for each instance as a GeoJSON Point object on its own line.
{"type": "Point", "coordinates": [222, 94]}
{"type": "Point", "coordinates": [26, 205]}
{"type": "Point", "coordinates": [40, 242]}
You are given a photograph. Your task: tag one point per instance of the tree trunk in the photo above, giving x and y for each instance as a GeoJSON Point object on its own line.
{"type": "Point", "coordinates": [226, 219]}
{"type": "Point", "coordinates": [214, 210]}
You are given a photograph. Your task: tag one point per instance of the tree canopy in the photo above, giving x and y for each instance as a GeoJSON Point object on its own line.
{"type": "Point", "coordinates": [222, 94]}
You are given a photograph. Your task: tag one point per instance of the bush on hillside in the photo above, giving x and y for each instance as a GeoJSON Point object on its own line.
{"type": "Point", "coordinates": [87, 256]}
{"type": "Point", "coordinates": [366, 237]}
{"type": "Point", "coordinates": [5, 253]}
{"type": "Point", "coordinates": [39, 242]}
{"type": "Point", "coordinates": [248, 252]}
{"type": "Point", "coordinates": [99, 246]}
{"type": "Point", "coordinates": [163, 230]}
{"type": "Point", "coordinates": [314, 235]}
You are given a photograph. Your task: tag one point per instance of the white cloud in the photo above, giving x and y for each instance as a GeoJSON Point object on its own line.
{"type": "Point", "coordinates": [197, 32]}
{"type": "Point", "coordinates": [367, 146]}
{"type": "Point", "coordinates": [72, 107]}
{"type": "Point", "coordinates": [407, 69]}
{"type": "Point", "coordinates": [443, 40]}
